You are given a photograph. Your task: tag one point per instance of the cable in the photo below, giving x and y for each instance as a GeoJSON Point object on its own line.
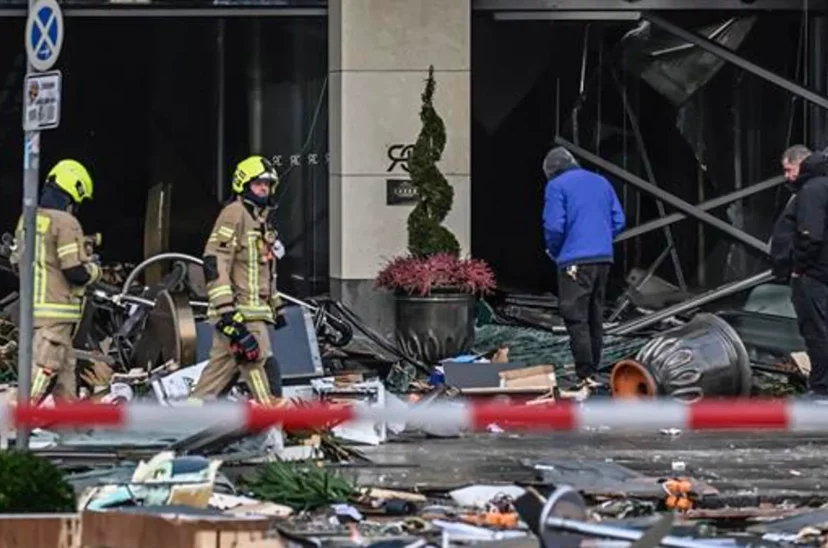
{"type": "Point", "coordinates": [311, 132]}
{"type": "Point", "coordinates": [283, 183]}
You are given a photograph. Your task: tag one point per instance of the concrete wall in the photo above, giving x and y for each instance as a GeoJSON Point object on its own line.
{"type": "Point", "coordinates": [379, 53]}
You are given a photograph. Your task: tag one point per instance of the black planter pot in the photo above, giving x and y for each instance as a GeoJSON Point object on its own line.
{"type": "Point", "coordinates": [701, 359]}
{"type": "Point", "coordinates": [435, 327]}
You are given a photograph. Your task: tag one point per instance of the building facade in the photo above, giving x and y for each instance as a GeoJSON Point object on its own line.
{"type": "Point", "coordinates": [180, 90]}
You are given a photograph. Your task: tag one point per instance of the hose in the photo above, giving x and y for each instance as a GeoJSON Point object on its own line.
{"type": "Point", "coordinates": [347, 313]}
{"type": "Point", "coordinates": [152, 260]}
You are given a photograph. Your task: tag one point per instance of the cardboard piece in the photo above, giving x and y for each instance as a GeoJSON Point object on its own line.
{"type": "Point", "coordinates": [115, 529]}
{"type": "Point", "coordinates": [153, 483]}
{"type": "Point", "coordinates": [802, 361]}
{"type": "Point", "coordinates": [463, 375]}
{"type": "Point", "coordinates": [501, 355]}
{"type": "Point", "coordinates": [41, 530]}
{"type": "Point", "coordinates": [539, 376]}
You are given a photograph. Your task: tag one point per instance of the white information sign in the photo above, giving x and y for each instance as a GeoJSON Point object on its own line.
{"type": "Point", "coordinates": [41, 101]}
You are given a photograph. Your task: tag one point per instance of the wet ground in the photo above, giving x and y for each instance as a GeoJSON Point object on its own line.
{"type": "Point", "coordinates": [772, 466]}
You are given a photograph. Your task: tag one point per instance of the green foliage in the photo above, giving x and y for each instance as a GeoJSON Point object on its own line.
{"type": "Point", "coordinates": [426, 235]}
{"type": "Point", "coordinates": [301, 486]}
{"type": "Point", "coordinates": [30, 484]}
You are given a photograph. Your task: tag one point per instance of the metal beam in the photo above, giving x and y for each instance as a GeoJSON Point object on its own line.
{"type": "Point", "coordinates": [103, 12]}
{"type": "Point", "coordinates": [581, 15]}
{"type": "Point", "coordinates": [695, 302]}
{"type": "Point", "coordinates": [706, 206]}
{"type": "Point", "coordinates": [731, 57]}
{"type": "Point", "coordinates": [665, 196]}
{"type": "Point", "coordinates": [648, 166]}
{"type": "Point", "coordinates": [636, 5]}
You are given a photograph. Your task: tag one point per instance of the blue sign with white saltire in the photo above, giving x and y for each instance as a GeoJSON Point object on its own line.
{"type": "Point", "coordinates": [44, 34]}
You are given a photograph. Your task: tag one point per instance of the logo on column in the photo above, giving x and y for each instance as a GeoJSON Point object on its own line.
{"type": "Point", "coordinates": [399, 191]}
{"type": "Point", "coordinates": [399, 155]}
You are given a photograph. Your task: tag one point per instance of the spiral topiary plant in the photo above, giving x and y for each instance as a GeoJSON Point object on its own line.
{"type": "Point", "coordinates": [30, 484]}
{"type": "Point", "coordinates": [426, 235]}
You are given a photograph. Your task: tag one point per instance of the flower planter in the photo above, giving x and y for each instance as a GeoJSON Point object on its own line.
{"type": "Point", "coordinates": [702, 359]}
{"type": "Point", "coordinates": [437, 326]}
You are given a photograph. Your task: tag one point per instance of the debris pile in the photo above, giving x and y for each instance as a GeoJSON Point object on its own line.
{"type": "Point", "coordinates": [141, 343]}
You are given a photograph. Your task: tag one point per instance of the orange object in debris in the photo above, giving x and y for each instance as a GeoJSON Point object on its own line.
{"type": "Point", "coordinates": [493, 519]}
{"type": "Point", "coordinates": [680, 494]}
{"type": "Point", "coordinates": [678, 486]}
{"type": "Point", "coordinates": [497, 519]}
{"type": "Point", "coordinates": [629, 380]}
{"type": "Point", "coordinates": [678, 503]}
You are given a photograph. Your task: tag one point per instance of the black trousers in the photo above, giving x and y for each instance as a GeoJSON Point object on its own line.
{"type": "Point", "coordinates": [810, 300]}
{"type": "Point", "coordinates": [581, 295]}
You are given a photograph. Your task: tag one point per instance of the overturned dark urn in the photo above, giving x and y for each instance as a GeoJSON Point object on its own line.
{"type": "Point", "coordinates": [701, 359]}
{"type": "Point", "coordinates": [435, 327]}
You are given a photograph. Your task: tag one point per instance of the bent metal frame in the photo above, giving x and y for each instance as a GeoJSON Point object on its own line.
{"type": "Point", "coordinates": [640, 9]}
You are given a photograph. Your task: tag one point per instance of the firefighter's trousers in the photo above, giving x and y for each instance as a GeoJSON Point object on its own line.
{"type": "Point", "coordinates": [223, 367]}
{"type": "Point", "coordinates": [53, 370]}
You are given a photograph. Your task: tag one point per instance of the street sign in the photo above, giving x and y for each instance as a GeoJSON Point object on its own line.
{"type": "Point", "coordinates": [41, 101]}
{"type": "Point", "coordinates": [44, 34]}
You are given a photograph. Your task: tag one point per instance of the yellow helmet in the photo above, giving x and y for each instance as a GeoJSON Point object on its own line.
{"type": "Point", "coordinates": [72, 178]}
{"type": "Point", "coordinates": [252, 168]}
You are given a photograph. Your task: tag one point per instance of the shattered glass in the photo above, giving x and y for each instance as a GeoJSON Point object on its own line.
{"type": "Point", "coordinates": [675, 68]}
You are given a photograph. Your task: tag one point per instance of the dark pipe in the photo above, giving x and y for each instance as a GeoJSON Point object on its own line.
{"type": "Point", "coordinates": [701, 300]}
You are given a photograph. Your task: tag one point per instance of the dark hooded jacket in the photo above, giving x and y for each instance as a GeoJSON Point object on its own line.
{"type": "Point", "coordinates": [782, 241]}
{"type": "Point", "coordinates": [800, 238]}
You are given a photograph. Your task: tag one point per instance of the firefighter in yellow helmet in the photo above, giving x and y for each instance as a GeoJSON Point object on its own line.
{"type": "Point", "coordinates": [62, 269]}
{"type": "Point", "coordinates": [238, 265]}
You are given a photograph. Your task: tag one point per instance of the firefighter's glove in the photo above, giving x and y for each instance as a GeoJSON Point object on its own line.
{"type": "Point", "coordinates": [242, 342]}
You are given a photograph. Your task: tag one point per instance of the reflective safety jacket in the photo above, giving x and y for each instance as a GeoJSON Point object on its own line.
{"type": "Point", "coordinates": [59, 246]}
{"type": "Point", "coordinates": [237, 264]}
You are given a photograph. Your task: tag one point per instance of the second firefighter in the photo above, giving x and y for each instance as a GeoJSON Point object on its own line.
{"type": "Point", "coordinates": [239, 265]}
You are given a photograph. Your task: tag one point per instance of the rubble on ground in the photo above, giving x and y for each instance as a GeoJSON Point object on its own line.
{"type": "Point", "coordinates": [326, 486]}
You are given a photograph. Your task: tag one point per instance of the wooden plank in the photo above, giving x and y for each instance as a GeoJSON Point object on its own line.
{"type": "Point", "coordinates": [139, 530]}
{"type": "Point", "coordinates": [40, 530]}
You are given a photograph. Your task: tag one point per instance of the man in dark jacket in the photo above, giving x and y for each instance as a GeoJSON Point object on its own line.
{"type": "Point", "coordinates": [581, 217]}
{"type": "Point", "coordinates": [804, 223]}
{"type": "Point", "coordinates": [784, 230]}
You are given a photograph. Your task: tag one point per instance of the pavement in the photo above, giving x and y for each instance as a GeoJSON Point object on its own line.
{"type": "Point", "coordinates": [767, 466]}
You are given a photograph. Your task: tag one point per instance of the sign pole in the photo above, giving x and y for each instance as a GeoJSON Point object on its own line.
{"type": "Point", "coordinates": [41, 110]}
{"type": "Point", "coordinates": [31, 172]}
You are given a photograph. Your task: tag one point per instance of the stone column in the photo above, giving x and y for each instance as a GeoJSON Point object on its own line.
{"type": "Point", "coordinates": [379, 54]}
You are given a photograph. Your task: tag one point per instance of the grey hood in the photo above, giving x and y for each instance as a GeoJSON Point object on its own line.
{"type": "Point", "coordinates": [557, 161]}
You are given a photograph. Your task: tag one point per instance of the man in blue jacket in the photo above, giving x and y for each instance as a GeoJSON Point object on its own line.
{"type": "Point", "coordinates": [581, 217]}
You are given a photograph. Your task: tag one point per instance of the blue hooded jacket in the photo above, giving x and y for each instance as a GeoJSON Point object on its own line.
{"type": "Point", "coordinates": [581, 214]}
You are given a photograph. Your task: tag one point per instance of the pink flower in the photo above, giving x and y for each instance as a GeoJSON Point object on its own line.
{"type": "Point", "coordinates": [441, 271]}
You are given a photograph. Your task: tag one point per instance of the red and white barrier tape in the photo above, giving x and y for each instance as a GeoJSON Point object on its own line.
{"type": "Point", "coordinates": [617, 415]}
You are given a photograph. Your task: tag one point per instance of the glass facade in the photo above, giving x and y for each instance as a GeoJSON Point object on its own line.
{"type": "Point", "coordinates": [176, 4]}
{"type": "Point", "coordinates": [282, 112]}
{"type": "Point", "coordinates": [180, 101]}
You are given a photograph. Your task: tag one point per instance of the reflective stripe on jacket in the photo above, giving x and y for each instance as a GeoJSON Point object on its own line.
{"type": "Point", "coordinates": [242, 263]}
{"type": "Point", "coordinates": [59, 246]}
